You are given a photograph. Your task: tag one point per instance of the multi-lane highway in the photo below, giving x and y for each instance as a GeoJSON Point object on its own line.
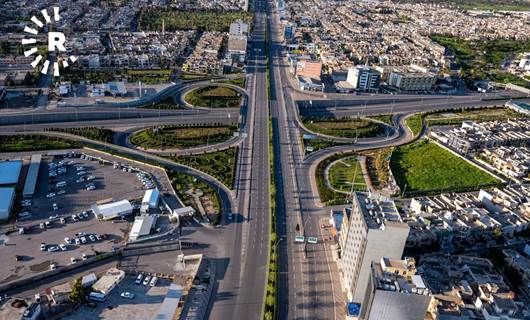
{"type": "Point", "coordinates": [241, 293]}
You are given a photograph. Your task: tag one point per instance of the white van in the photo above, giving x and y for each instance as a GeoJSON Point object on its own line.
{"type": "Point", "coordinates": [96, 296]}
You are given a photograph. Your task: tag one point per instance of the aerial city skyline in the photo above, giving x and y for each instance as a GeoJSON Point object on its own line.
{"type": "Point", "coordinates": [265, 159]}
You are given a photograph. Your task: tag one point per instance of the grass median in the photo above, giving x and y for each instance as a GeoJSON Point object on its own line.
{"type": "Point", "coordinates": [347, 128]}
{"type": "Point", "coordinates": [214, 97]}
{"type": "Point", "coordinates": [181, 137]}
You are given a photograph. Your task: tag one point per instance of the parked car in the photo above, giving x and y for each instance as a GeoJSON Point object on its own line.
{"type": "Point", "coordinates": [153, 281]}
{"type": "Point", "coordinates": [146, 280]}
{"type": "Point", "coordinates": [127, 295]}
{"type": "Point", "coordinates": [50, 195]}
{"type": "Point", "coordinates": [67, 240]}
{"type": "Point", "coordinates": [53, 249]}
{"type": "Point", "coordinates": [139, 278]}
{"type": "Point", "coordinates": [43, 246]}
{"type": "Point", "coordinates": [62, 246]}
{"type": "Point", "coordinates": [55, 207]}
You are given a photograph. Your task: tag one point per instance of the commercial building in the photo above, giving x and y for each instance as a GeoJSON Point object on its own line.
{"type": "Point", "coordinates": [239, 27]}
{"type": "Point", "coordinates": [374, 231]}
{"type": "Point", "coordinates": [7, 197]}
{"type": "Point", "coordinates": [151, 198]}
{"type": "Point", "coordinates": [10, 172]}
{"type": "Point", "coordinates": [108, 281]}
{"type": "Point", "coordinates": [308, 68]}
{"type": "Point", "coordinates": [112, 210]}
{"type": "Point", "coordinates": [237, 47]}
{"type": "Point", "coordinates": [364, 78]}
{"type": "Point", "coordinates": [142, 226]}
{"type": "Point", "coordinates": [395, 291]}
{"type": "Point", "coordinates": [32, 176]}
{"type": "Point", "coordinates": [412, 81]}
{"type": "Point", "coordinates": [310, 84]}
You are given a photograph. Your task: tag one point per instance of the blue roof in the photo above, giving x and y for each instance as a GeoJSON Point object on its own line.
{"type": "Point", "coordinates": [7, 195]}
{"type": "Point", "coordinates": [10, 171]}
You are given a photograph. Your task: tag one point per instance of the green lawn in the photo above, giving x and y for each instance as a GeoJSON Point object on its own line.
{"type": "Point", "coordinates": [454, 117]}
{"type": "Point", "coordinates": [237, 81]}
{"type": "Point", "coordinates": [214, 97]}
{"type": "Point", "coordinates": [318, 144]}
{"type": "Point", "coordinates": [182, 183]}
{"type": "Point", "coordinates": [36, 142]}
{"type": "Point", "coordinates": [350, 128]}
{"type": "Point", "coordinates": [481, 60]}
{"type": "Point", "coordinates": [150, 19]}
{"type": "Point", "coordinates": [342, 173]}
{"type": "Point", "coordinates": [415, 123]}
{"type": "Point", "coordinates": [220, 165]}
{"type": "Point", "coordinates": [147, 76]}
{"type": "Point", "coordinates": [181, 137]}
{"type": "Point", "coordinates": [425, 168]}
{"type": "Point", "coordinates": [93, 133]}
{"type": "Point", "coordinates": [386, 118]}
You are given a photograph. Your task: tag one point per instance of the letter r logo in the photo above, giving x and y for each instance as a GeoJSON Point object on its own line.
{"type": "Point", "coordinates": [56, 40]}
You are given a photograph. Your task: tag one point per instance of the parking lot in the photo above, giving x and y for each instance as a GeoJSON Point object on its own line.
{"type": "Point", "coordinates": [22, 252]}
{"type": "Point", "coordinates": [144, 305]}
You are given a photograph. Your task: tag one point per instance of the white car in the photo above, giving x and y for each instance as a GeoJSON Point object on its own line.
{"type": "Point", "coordinates": [92, 238]}
{"type": "Point", "coordinates": [50, 195]}
{"type": "Point", "coordinates": [55, 216]}
{"type": "Point", "coordinates": [53, 249]}
{"type": "Point", "coordinates": [82, 179]}
{"type": "Point", "coordinates": [83, 240]}
{"type": "Point", "coordinates": [127, 295]}
{"type": "Point", "coordinates": [75, 218]}
{"type": "Point", "coordinates": [146, 280]}
{"type": "Point", "coordinates": [43, 246]}
{"type": "Point", "coordinates": [80, 173]}
{"type": "Point", "coordinates": [55, 207]}
{"type": "Point", "coordinates": [24, 214]}
{"type": "Point", "coordinates": [62, 246]}
{"type": "Point", "coordinates": [67, 240]}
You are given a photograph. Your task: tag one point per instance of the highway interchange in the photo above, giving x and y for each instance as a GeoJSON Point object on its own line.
{"type": "Point", "coordinates": [307, 284]}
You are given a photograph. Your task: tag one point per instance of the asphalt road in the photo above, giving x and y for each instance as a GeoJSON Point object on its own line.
{"type": "Point", "coordinates": [240, 295]}
{"type": "Point", "coordinates": [306, 288]}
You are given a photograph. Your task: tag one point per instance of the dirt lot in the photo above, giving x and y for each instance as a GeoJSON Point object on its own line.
{"type": "Point", "coordinates": [144, 305]}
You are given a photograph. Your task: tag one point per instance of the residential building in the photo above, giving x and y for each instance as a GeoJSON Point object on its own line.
{"type": "Point", "coordinates": [375, 231]}
{"type": "Point", "coordinates": [412, 81]}
{"type": "Point", "coordinates": [364, 78]}
{"type": "Point", "coordinates": [469, 287]}
{"type": "Point", "coordinates": [395, 291]}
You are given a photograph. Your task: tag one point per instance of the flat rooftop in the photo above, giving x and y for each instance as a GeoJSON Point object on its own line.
{"type": "Point", "coordinates": [10, 171]}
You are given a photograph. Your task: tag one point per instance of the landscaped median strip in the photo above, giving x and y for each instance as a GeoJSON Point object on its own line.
{"type": "Point", "coordinates": [271, 297]}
